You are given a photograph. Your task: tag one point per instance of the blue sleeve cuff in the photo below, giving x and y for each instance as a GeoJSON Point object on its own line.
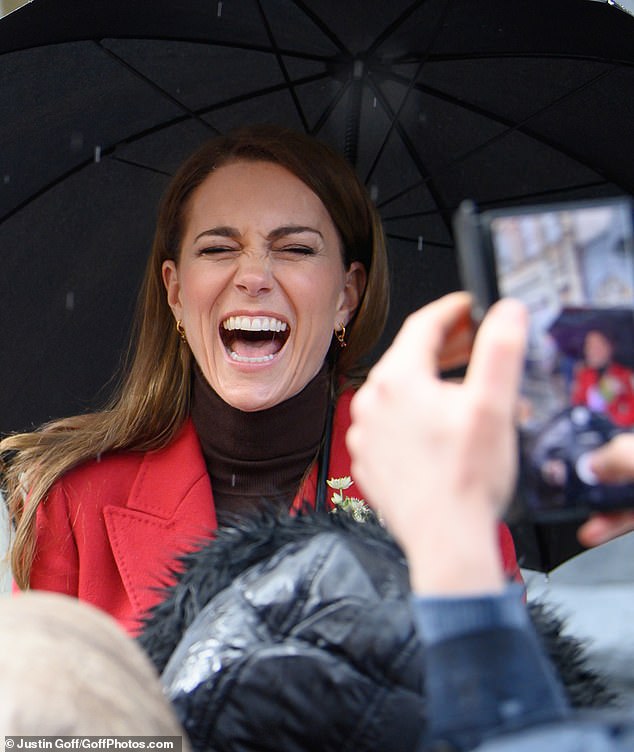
{"type": "Point", "coordinates": [443, 618]}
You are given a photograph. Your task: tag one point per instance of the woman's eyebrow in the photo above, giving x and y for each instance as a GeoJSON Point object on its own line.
{"type": "Point", "coordinates": [281, 232]}
{"type": "Point", "coordinates": [223, 231]}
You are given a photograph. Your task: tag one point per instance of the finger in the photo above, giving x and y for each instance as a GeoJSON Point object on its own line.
{"type": "Point", "coordinates": [456, 349]}
{"type": "Point", "coordinates": [498, 353]}
{"type": "Point", "coordinates": [614, 461]}
{"type": "Point", "coordinates": [604, 527]}
{"type": "Point", "coordinates": [425, 333]}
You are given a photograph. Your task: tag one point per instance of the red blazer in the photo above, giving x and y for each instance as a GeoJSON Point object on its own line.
{"type": "Point", "coordinates": [109, 531]}
{"type": "Point", "coordinates": [618, 388]}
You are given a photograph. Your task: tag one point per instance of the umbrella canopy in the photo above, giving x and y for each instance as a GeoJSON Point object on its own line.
{"type": "Point", "coordinates": [571, 326]}
{"type": "Point", "coordinates": [432, 100]}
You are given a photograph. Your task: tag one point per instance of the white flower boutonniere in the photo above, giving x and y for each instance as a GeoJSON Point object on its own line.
{"type": "Point", "coordinates": [354, 506]}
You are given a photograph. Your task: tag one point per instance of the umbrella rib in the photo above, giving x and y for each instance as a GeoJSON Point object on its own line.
{"type": "Point", "coordinates": [489, 114]}
{"type": "Point", "coordinates": [527, 131]}
{"type": "Point", "coordinates": [510, 127]}
{"type": "Point", "coordinates": [410, 215]}
{"type": "Point", "coordinates": [330, 108]}
{"type": "Point", "coordinates": [520, 197]}
{"type": "Point", "coordinates": [274, 88]}
{"type": "Point", "coordinates": [523, 197]}
{"type": "Point", "coordinates": [280, 62]}
{"type": "Point", "coordinates": [207, 42]}
{"type": "Point", "coordinates": [353, 120]}
{"type": "Point", "coordinates": [250, 47]}
{"type": "Point", "coordinates": [395, 117]}
{"type": "Point", "coordinates": [393, 120]}
{"type": "Point", "coordinates": [415, 241]}
{"type": "Point", "coordinates": [389, 30]}
{"type": "Point", "coordinates": [109, 150]}
{"type": "Point", "coordinates": [451, 57]}
{"type": "Point", "coordinates": [157, 88]}
{"type": "Point", "coordinates": [133, 163]}
{"type": "Point", "coordinates": [325, 30]}
{"type": "Point", "coordinates": [49, 186]}
{"type": "Point", "coordinates": [427, 179]}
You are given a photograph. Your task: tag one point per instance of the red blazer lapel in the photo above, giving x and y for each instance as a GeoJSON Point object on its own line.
{"type": "Point", "coordinates": [169, 511]}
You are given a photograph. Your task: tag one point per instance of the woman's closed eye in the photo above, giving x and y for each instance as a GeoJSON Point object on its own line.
{"type": "Point", "coordinates": [295, 250]}
{"type": "Point", "coordinates": [217, 250]}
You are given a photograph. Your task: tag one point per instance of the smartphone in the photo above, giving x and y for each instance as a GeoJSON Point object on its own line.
{"type": "Point", "coordinates": [572, 264]}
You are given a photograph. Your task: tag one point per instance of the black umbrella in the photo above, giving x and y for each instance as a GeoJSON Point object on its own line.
{"type": "Point", "coordinates": [570, 327]}
{"type": "Point", "coordinates": [434, 101]}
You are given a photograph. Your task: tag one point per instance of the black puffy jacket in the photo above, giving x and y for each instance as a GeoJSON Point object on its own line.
{"type": "Point", "coordinates": [289, 634]}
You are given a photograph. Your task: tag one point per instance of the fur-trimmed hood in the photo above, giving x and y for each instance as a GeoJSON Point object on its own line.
{"type": "Point", "coordinates": [296, 634]}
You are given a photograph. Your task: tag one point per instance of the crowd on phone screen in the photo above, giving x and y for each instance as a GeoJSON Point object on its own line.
{"type": "Point", "coordinates": [601, 383]}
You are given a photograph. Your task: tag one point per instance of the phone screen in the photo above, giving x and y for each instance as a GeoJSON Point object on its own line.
{"type": "Point", "coordinates": [573, 266]}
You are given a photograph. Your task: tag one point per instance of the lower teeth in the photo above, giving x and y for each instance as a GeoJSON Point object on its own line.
{"type": "Point", "coordinates": [244, 359]}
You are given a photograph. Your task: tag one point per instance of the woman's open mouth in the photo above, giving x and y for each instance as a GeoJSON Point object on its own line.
{"type": "Point", "coordinates": [253, 339]}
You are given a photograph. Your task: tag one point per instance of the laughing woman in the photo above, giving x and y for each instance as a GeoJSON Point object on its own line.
{"type": "Point", "coordinates": [266, 286]}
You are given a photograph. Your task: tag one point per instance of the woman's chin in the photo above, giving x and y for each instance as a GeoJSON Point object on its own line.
{"type": "Point", "coordinates": [258, 384]}
{"type": "Point", "coordinates": [253, 387]}
{"type": "Point", "coordinates": [254, 400]}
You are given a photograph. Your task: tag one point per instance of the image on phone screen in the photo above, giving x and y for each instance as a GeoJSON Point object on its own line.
{"type": "Point", "coordinates": [573, 266]}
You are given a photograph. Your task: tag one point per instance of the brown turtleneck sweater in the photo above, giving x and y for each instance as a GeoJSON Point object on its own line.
{"type": "Point", "coordinates": [258, 456]}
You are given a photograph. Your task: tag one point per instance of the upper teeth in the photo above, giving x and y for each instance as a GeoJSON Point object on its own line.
{"type": "Point", "coordinates": [257, 324]}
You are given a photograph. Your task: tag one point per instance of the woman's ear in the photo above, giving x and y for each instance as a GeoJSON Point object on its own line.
{"type": "Point", "coordinates": [356, 279]}
{"type": "Point", "coordinates": [172, 286]}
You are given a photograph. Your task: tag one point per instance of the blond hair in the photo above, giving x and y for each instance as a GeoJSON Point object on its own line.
{"type": "Point", "coordinates": [152, 400]}
{"type": "Point", "coordinates": [67, 668]}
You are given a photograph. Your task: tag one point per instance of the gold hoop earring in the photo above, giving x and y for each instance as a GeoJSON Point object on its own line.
{"type": "Point", "coordinates": [181, 331]}
{"type": "Point", "coordinates": [340, 334]}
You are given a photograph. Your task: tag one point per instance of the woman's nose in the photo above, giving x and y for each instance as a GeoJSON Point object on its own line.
{"type": "Point", "coordinates": [254, 274]}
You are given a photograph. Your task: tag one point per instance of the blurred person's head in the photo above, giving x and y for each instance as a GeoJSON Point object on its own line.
{"type": "Point", "coordinates": [597, 349]}
{"type": "Point", "coordinates": [68, 669]}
